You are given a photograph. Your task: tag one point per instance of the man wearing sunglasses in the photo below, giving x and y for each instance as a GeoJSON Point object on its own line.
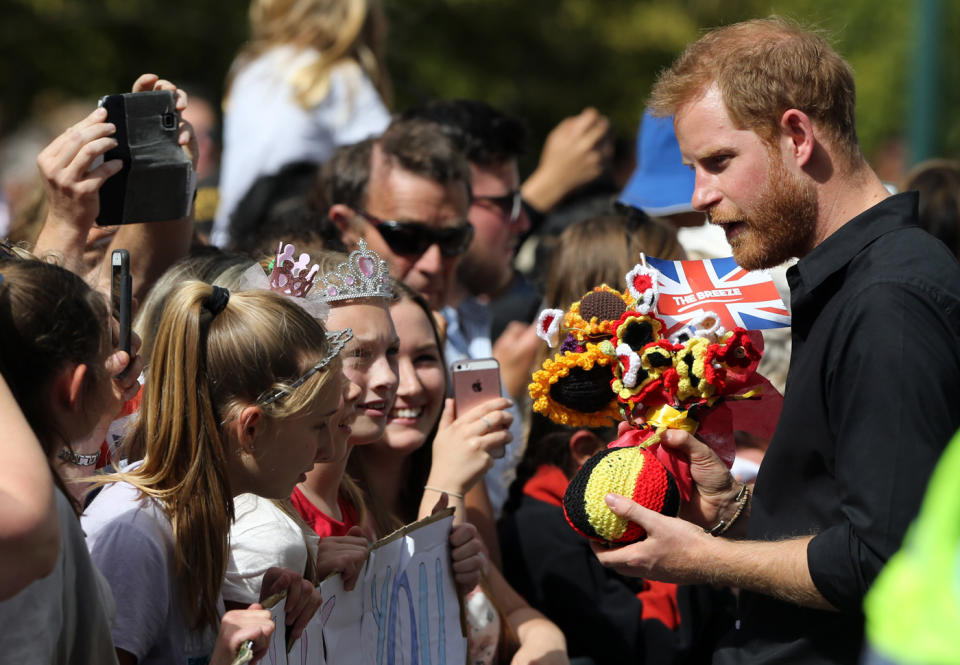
{"type": "Point", "coordinates": [407, 194]}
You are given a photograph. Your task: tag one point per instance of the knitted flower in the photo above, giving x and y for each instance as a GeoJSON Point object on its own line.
{"type": "Point", "coordinates": [690, 363]}
{"type": "Point", "coordinates": [655, 380]}
{"type": "Point", "coordinates": [731, 364]}
{"type": "Point", "coordinates": [593, 316]}
{"type": "Point", "coordinates": [642, 285]}
{"type": "Point", "coordinates": [574, 388]}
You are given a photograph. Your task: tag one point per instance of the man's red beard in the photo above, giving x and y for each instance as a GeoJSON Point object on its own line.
{"type": "Point", "coordinates": [781, 226]}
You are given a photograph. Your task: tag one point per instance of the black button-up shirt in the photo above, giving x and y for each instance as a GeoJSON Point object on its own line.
{"type": "Point", "coordinates": [872, 397]}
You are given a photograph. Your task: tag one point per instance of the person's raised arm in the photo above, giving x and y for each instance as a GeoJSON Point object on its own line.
{"type": "Point", "coordinates": [29, 522]}
{"type": "Point", "coordinates": [72, 189]}
{"type": "Point", "coordinates": [573, 154]}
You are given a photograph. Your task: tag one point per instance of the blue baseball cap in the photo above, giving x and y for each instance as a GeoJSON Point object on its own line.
{"type": "Point", "coordinates": [661, 184]}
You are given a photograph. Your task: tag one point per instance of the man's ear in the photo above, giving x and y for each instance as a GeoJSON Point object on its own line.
{"type": "Point", "coordinates": [797, 130]}
{"type": "Point", "coordinates": [583, 445]}
{"type": "Point", "coordinates": [248, 427]}
{"type": "Point", "coordinates": [343, 217]}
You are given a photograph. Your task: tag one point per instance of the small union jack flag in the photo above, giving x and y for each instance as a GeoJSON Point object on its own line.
{"type": "Point", "coordinates": [688, 289]}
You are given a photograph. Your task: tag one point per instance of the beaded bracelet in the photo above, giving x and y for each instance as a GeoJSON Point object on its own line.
{"type": "Point", "coordinates": [720, 528]}
{"type": "Point", "coordinates": [78, 459]}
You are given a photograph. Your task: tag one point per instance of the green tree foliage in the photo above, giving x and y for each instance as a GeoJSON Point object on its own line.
{"type": "Point", "coordinates": [540, 59]}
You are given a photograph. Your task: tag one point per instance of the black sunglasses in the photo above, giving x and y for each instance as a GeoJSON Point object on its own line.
{"type": "Point", "coordinates": [411, 238]}
{"type": "Point", "coordinates": [510, 204]}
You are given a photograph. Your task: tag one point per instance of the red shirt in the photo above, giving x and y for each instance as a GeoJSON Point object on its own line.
{"type": "Point", "coordinates": [319, 521]}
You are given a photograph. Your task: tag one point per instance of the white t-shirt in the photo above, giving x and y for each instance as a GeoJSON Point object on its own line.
{"type": "Point", "coordinates": [131, 540]}
{"type": "Point", "coordinates": [261, 537]}
{"type": "Point", "coordinates": [264, 128]}
{"type": "Point", "coordinates": [63, 618]}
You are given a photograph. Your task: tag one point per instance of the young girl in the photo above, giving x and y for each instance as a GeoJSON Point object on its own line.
{"type": "Point", "coordinates": [240, 392]}
{"type": "Point", "coordinates": [54, 354]}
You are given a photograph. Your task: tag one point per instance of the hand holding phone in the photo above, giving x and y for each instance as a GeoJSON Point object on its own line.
{"type": "Point", "coordinates": [474, 381]}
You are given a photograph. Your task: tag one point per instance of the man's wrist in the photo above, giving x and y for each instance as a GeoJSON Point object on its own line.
{"type": "Point", "coordinates": [735, 510]}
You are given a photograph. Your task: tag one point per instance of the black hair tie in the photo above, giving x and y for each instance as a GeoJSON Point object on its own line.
{"type": "Point", "coordinates": [217, 300]}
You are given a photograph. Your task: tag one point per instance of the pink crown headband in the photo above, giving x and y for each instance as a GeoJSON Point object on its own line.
{"type": "Point", "coordinates": [289, 277]}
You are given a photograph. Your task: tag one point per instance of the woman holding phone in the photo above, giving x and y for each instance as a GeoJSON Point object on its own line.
{"type": "Point", "coordinates": [426, 452]}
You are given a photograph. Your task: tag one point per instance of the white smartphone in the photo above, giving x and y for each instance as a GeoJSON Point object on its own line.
{"type": "Point", "coordinates": [474, 381]}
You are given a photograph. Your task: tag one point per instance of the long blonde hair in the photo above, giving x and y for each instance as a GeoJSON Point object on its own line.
{"type": "Point", "coordinates": [205, 368]}
{"type": "Point", "coordinates": [340, 30]}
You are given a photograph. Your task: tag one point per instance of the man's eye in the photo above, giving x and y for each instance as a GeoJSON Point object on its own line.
{"type": "Point", "coordinates": [717, 163]}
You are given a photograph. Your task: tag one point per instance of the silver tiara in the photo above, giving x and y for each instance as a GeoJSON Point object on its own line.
{"type": "Point", "coordinates": [363, 275]}
{"type": "Point", "coordinates": [336, 339]}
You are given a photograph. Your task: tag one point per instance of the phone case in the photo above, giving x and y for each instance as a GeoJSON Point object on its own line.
{"type": "Point", "coordinates": [474, 381]}
{"type": "Point", "coordinates": [157, 179]}
{"type": "Point", "coordinates": [121, 295]}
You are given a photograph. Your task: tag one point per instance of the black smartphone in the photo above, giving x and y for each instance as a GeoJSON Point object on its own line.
{"type": "Point", "coordinates": [474, 381]}
{"type": "Point", "coordinates": [121, 296]}
{"type": "Point", "coordinates": [157, 180]}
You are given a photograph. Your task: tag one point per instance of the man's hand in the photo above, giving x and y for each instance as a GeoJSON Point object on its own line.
{"type": "Point", "coordinates": [303, 599]}
{"type": "Point", "coordinates": [674, 550]}
{"type": "Point", "coordinates": [72, 186]}
{"type": "Point", "coordinates": [714, 488]}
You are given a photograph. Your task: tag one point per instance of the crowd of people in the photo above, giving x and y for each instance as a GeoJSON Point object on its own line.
{"type": "Point", "coordinates": [286, 400]}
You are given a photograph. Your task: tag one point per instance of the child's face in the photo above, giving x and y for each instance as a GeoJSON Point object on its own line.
{"type": "Point", "coordinates": [290, 447]}
{"type": "Point", "coordinates": [422, 380]}
{"type": "Point", "coordinates": [370, 363]}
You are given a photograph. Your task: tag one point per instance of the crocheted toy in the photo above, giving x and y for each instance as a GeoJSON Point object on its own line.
{"type": "Point", "coordinates": [633, 472]}
{"type": "Point", "coordinates": [615, 364]}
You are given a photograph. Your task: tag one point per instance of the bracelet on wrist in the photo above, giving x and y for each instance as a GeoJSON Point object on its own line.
{"type": "Point", "coordinates": [742, 498]}
{"type": "Point", "coordinates": [437, 489]}
{"type": "Point", "coordinates": [78, 459]}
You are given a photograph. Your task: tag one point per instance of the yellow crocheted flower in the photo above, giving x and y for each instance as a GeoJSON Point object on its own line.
{"type": "Point", "coordinates": [558, 369]}
{"type": "Point", "coordinates": [689, 363]}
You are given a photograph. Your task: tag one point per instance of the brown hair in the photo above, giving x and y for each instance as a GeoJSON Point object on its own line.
{"type": "Point", "coordinates": [602, 250]}
{"type": "Point", "coordinates": [763, 68]}
{"type": "Point", "coordinates": [421, 147]}
{"type": "Point", "coordinates": [938, 181]}
{"type": "Point", "coordinates": [49, 318]}
{"type": "Point", "coordinates": [205, 367]}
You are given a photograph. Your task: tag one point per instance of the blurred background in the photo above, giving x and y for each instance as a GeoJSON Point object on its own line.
{"type": "Point", "coordinates": [539, 59]}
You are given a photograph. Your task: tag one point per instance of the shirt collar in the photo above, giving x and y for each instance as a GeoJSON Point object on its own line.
{"type": "Point", "coordinates": [838, 249]}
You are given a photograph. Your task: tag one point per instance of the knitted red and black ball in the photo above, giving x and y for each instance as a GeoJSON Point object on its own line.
{"type": "Point", "coordinates": [633, 472]}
